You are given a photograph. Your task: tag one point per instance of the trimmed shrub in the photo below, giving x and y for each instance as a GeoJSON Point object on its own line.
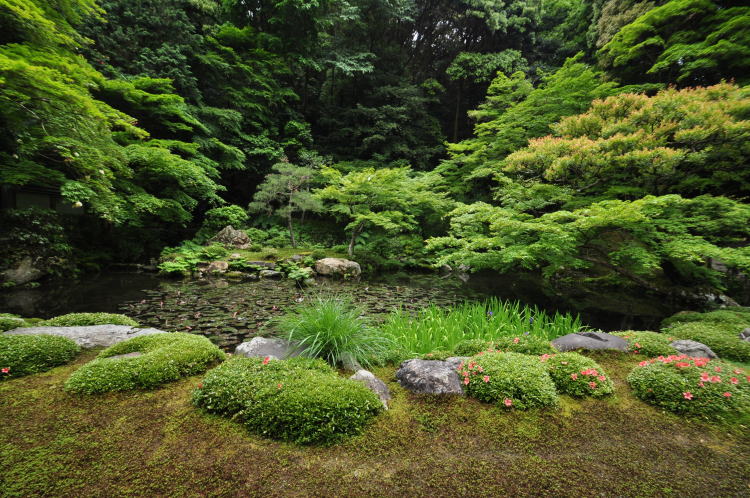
{"type": "Point", "coordinates": [84, 319]}
{"type": "Point", "coordinates": [692, 386]}
{"type": "Point", "coordinates": [318, 254]}
{"type": "Point", "coordinates": [725, 343]}
{"type": "Point", "coordinates": [509, 379]}
{"type": "Point", "coordinates": [728, 318]}
{"type": "Point", "coordinates": [220, 217]}
{"type": "Point", "coordinates": [165, 358]}
{"type": "Point", "coordinates": [300, 400]}
{"type": "Point", "coordinates": [10, 323]}
{"type": "Point", "coordinates": [577, 375]}
{"type": "Point", "coordinates": [28, 354]}
{"type": "Point", "coordinates": [523, 344]}
{"type": "Point", "coordinates": [647, 343]}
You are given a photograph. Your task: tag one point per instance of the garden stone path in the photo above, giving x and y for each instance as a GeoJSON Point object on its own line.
{"type": "Point", "coordinates": [90, 336]}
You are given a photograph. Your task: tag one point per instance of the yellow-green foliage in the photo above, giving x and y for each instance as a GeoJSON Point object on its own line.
{"type": "Point", "coordinates": [84, 319]}
{"type": "Point", "coordinates": [29, 354]}
{"type": "Point", "coordinates": [648, 343]}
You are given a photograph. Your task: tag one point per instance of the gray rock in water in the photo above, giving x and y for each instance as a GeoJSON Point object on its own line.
{"type": "Point", "coordinates": [90, 336]}
{"type": "Point", "coordinates": [23, 273]}
{"type": "Point", "coordinates": [745, 335]}
{"type": "Point", "coordinates": [693, 349]}
{"type": "Point", "coordinates": [429, 377]}
{"type": "Point", "coordinates": [260, 347]}
{"type": "Point", "coordinates": [591, 341]}
{"type": "Point", "coordinates": [263, 264]}
{"type": "Point", "coordinates": [373, 384]}
{"type": "Point", "coordinates": [217, 267]}
{"type": "Point", "coordinates": [272, 274]}
{"type": "Point", "coordinates": [231, 237]}
{"type": "Point", "coordinates": [337, 267]}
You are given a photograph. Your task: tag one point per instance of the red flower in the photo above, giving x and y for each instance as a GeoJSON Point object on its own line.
{"type": "Point", "coordinates": [574, 376]}
{"type": "Point", "coordinates": [266, 360]}
{"type": "Point", "coordinates": [705, 377]}
{"type": "Point", "coordinates": [486, 378]}
{"type": "Point", "coordinates": [5, 370]}
{"type": "Point", "coordinates": [727, 395]}
{"type": "Point", "coordinates": [508, 402]}
{"type": "Point", "coordinates": [466, 380]}
{"type": "Point", "coordinates": [592, 385]}
{"type": "Point", "coordinates": [688, 395]}
{"type": "Point", "coordinates": [602, 378]}
{"type": "Point", "coordinates": [715, 379]}
{"type": "Point", "coordinates": [734, 380]}
{"type": "Point", "coordinates": [279, 386]}
{"type": "Point", "coordinates": [717, 369]}
{"type": "Point", "coordinates": [643, 363]}
{"type": "Point", "coordinates": [682, 364]}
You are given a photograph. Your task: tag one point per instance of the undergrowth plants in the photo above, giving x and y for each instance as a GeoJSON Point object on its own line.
{"type": "Point", "coordinates": [436, 328]}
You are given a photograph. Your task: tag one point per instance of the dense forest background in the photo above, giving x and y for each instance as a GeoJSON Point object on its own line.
{"type": "Point", "coordinates": [595, 143]}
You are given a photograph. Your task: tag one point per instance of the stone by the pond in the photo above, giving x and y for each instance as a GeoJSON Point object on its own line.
{"type": "Point", "coordinates": [693, 349]}
{"type": "Point", "coordinates": [90, 336]}
{"type": "Point", "coordinates": [373, 384]}
{"type": "Point", "coordinates": [263, 264]}
{"type": "Point", "coordinates": [337, 267]}
{"type": "Point", "coordinates": [217, 267]}
{"type": "Point", "coordinates": [231, 237]}
{"type": "Point", "coordinates": [260, 347]}
{"type": "Point", "coordinates": [429, 377]}
{"type": "Point", "coordinates": [23, 273]}
{"type": "Point", "coordinates": [270, 274]}
{"type": "Point", "coordinates": [590, 340]}
{"type": "Point", "coordinates": [745, 335]}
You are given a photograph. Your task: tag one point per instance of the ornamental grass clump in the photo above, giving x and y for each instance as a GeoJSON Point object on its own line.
{"type": "Point", "coordinates": [648, 343]}
{"type": "Point", "coordinates": [438, 328]}
{"type": "Point", "coordinates": [723, 340]}
{"type": "Point", "coordinates": [333, 329]}
{"type": "Point", "coordinates": [301, 400]}
{"type": "Point", "coordinates": [84, 319]}
{"type": "Point", "coordinates": [29, 354]}
{"type": "Point", "coordinates": [692, 386]}
{"type": "Point", "coordinates": [164, 358]}
{"type": "Point", "coordinates": [511, 380]}
{"type": "Point", "coordinates": [577, 375]}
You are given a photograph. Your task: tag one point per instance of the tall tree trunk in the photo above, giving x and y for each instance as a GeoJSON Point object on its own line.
{"type": "Point", "coordinates": [355, 233]}
{"type": "Point", "coordinates": [291, 229]}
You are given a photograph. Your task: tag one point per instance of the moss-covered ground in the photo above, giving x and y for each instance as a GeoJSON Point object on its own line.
{"type": "Point", "coordinates": [155, 443]}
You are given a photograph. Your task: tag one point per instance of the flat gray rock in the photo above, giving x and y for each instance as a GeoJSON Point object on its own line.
{"type": "Point", "coordinates": [90, 336]}
{"type": "Point", "coordinates": [373, 384]}
{"type": "Point", "coordinates": [591, 341]}
{"type": "Point", "coordinates": [260, 347]}
{"type": "Point", "coordinates": [337, 267]}
{"type": "Point", "coordinates": [270, 274]}
{"type": "Point", "coordinates": [693, 349]}
{"type": "Point", "coordinates": [429, 377]}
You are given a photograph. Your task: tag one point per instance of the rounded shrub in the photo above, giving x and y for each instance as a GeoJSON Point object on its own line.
{"type": "Point", "coordinates": [509, 379]}
{"type": "Point", "coordinates": [693, 386]}
{"type": "Point", "coordinates": [577, 375]}
{"type": "Point", "coordinates": [726, 343]}
{"type": "Point", "coordinates": [84, 319]}
{"type": "Point", "coordinates": [27, 354]}
{"type": "Point", "coordinates": [164, 358]}
{"type": "Point", "coordinates": [731, 318]}
{"type": "Point", "coordinates": [220, 217]}
{"type": "Point", "coordinates": [300, 400]}
{"type": "Point", "coordinates": [648, 343]}
{"type": "Point", "coordinates": [523, 344]}
{"type": "Point", "coordinates": [11, 322]}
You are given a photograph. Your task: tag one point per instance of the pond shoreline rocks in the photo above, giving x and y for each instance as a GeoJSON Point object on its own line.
{"type": "Point", "coordinates": [590, 341]}
{"type": "Point", "coordinates": [90, 336]}
{"type": "Point", "coordinates": [337, 267]}
{"type": "Point", "coordinates": [262, 347]}
{"type": "Point", "coordinates": [430, 376]}
{"type": "Point", "coordinates": [373, 384]}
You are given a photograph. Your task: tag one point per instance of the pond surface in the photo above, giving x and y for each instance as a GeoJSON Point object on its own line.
{"type": "Point", "coordinates": [230, 313]}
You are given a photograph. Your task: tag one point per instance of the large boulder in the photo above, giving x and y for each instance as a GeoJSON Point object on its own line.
{"type": "Point", "coordinates": [22, 273]}
{"type": "Point", "coordinates": [693, 349]}
{"type": "Point", "coordinates": [232, 238]}
{"type": "Point", "coordinates": [271, 274]}
{"type": "Point", "coordinates": [429, 377]}
{"type": "Point", "coordinates": [373, 384]}
{"type": "Point", "coordinates": [217, 267]}
{"type": "Point", "coordinates": [337, 267]}
{"type": "Point", "coordinates": [261, 347]}
{"type": "Point", "coordinates": [591, 341]}
{"type": "Point", "coordinates": [90, 336]}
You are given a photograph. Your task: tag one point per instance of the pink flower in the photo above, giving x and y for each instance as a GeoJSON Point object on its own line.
{"type": "Point", "coordinates": [688, 395]}
{"type": "Point", "coordinates": [592, 385]}
{"type": "Point", "coordinates": [701, 384]}
{"type": "Point", "coordinates": [279, 386]}
{"type": "Point", "coordinates": [266, 360]}
{"type": "Point", "coordinates": [602, 378]}
{"type": "Point", "coordinates": [637, 345]}
{"type": "Point", "coordinates": [682, 364]}
{"type": "Point", "coordinates": [643, 364]}
{"type": "Point", "coordinates": [508, 402]}
{"type": "Point", "coordinates": [486, 378]}
{"type": "Point", "coordinates": [705, 377]}
{"type": "Point", "coordinates": [515, 340]}
{"type": "Point", "coordinates": [200, 385]}
{"type": "Point", "coordinates": [717, 369]}
{"type": "Point", "coordinates": [466, 380]}
{"type": "Point", "coordinates": [5, 370]}
{"type": "Point", "coordinates": [715, 379]}
{"type": "Point", "coordinates": [737, 371]}
{"type": "Point", "coordinates": [727, 395]}
{"type": "Point", "coordinates": [734, 380]}
{"type": "Point", "coordinates": [574, 376]}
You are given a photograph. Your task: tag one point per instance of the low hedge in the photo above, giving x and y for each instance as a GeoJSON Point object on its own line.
{"type": "Point", "coordinates": [692, 386]}
{"type": "Point", "coordinates": [723, 341]}
{"type": "Point", "coordinates": [508, 379]}
{"type": "Point", "coordinates": [299, 400]}
{"type": "Point", "coordinates": [28, 354]}
{"type": "Point", "coordinates": [732, 318]}
{"type": "Point", "coordinates": [523, 344]}
{"type": "Point", "coordinates": [578, 375]}
{"type": "Point", "coordinates": [166, 357]}
{"type": "Point", "coordinates": [84, 319]}
{"type": "Point", "coordinates": [648, 343]}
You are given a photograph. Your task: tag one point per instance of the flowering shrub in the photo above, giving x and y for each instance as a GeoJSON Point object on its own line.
{"type": "Point", "coordinates": [509, 379]}
{"type": "Point", "coordinates": [165, 358]}
{"type": "Point", "coordinates": [648, 343]}
{"type": "Point", "coordinates": [524, 344]}
{"type": "Point", "coordinates": [695, 386]}
{"type": "Point", "coordinates": [83, 319]}
{"type": "Point", "coordinates": [300, 399]}
{"type": "Point", "coordinates": [723, 340]}
{"type": "Point", "coordinates": [577, 375]}
{"type": "Point", "coordinates": [28, 354]}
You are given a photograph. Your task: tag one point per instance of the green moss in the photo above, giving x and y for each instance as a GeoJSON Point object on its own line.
{"type": "Point", "coordinates": [165, 358]}
{"type": "Point", "coordinates": [9, 323]}
{"type": "Point", "coordinates": [84, 319]}
{"type": "Point", "coordinates": [29, 354]}
{"type": "Point", "coordinates": [647, 343]}
{"type": "Point", "coordinates": [730, 318]}
{"type": "Point", "coordinates": [522, 344]}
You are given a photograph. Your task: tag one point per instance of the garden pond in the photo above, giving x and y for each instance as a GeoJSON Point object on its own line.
{"type": "Point", "coordinates": [232, 312]}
